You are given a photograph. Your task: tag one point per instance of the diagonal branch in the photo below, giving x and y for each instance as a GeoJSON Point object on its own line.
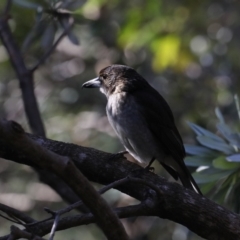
{"type": "Point", "coordinates": [16, 214]}
{"type": "Point", "coordinates": [13, 134]}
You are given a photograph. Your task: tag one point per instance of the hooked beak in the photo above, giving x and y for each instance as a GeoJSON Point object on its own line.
{"type": "Point", "coordinates": [94, 83]}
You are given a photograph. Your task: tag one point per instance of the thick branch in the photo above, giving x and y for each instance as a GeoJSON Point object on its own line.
{"type": "Point", "coordinates": [13, 134]}
{"type": "Point", "coordinates": [202, 216]}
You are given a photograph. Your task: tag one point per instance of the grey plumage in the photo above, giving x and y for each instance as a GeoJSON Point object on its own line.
{"type": "Point", "coordinates": [143, 120]}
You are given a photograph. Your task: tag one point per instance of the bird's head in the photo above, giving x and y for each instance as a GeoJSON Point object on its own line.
{"type": "Point", "coordinates": [115, 79]}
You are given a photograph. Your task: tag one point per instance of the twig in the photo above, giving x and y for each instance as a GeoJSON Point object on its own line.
{"type": "Point", "coordinates": [48, 53]}
{"type": "Point", "coordinates": [17, 214]}
{"type": "Point", "coordinates": [56, 214]}
{"type": "Point", "coordinates": [11, 220]}
{"type": "Point", "coordinates": [54, 227]}
{"type": "Point", "coordinates": [17, 233]}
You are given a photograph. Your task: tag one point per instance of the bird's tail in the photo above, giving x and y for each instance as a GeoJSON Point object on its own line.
{"type": "Point", "coordinates": [187, 179]}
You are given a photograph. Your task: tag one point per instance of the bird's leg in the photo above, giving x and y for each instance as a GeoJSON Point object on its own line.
{"type": "Point", "coordinates": [148, 167]}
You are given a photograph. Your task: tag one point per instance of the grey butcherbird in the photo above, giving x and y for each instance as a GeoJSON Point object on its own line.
{"type": "Point", "coordinates": [143, 121]}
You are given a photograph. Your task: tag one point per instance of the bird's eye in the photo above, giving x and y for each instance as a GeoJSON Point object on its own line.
{"type": "Point", "coordinates": [104, 76]}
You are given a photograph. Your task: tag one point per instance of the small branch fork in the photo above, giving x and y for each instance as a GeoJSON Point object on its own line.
{"type": "Point", "coordinates": [131, 211]}
{"type": "Point", "coordinates": [56, 214]}
{"type": "Point", "coordinates": [24, 74]}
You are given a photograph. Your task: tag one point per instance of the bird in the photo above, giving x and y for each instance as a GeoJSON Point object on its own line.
{"type": "Point", "coordinates": [143, 121]}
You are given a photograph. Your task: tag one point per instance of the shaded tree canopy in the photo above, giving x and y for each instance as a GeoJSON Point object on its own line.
{"type": "Point", "coordinates": [187, 51]}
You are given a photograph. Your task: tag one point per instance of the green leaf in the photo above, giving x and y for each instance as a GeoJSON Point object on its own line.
{"type": "Point", "coordinates": [203, 132]}
{"type": "Point", "coordinates": [197, 161]}
{"type": "Point", "coordinates": [233, 158]}
{"type": "Point", "coordinates": [221, 163]}
{"type": "Point", "coordinates": [197, 150]}
{"type": "Point", "coordinates": [217, 145]}
{"type": "Point", "coordinates": [27, 4]}
{"type": "Point", "coordinates": [210, 175]}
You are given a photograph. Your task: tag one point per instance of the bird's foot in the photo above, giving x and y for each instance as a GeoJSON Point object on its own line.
{"type": "Point", "coordinates": [139, 171]}
{"type": "Point", "coordinates": [150, 169]}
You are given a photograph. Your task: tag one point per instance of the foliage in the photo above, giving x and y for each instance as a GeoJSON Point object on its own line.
{"type": "Point", "coordinates": [217, 159]}
{"type": "Point", "coordinates": [50, 16]}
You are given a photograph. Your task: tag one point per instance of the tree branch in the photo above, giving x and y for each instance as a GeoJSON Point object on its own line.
{"type": "Point", "coordinates": [16, 214]}
{"type": "Point", "coordinates": [199, 214]}
{"type": "Point", "coordinates": [13, 133]}
{"type": "Point", "coordinates": [25, 77]}
{"type": "Point", "coordinates": [16, 233]}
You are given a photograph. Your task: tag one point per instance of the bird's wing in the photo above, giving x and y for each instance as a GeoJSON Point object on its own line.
{"type": "Point", "coordinates": [160, 120]}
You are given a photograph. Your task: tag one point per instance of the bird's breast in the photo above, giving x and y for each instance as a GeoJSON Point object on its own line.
{"type": "Point", "coordinates": [128, 122]}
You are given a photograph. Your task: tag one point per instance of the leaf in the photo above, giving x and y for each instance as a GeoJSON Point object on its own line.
{"type": "Point", "coordinates": [221, 163]}
{"type": "Point", "coordinates": [233, 158]}
{"type": "Point", "coordinates": [72, 37]}
{"type": "Point", "coordinates": [213, 144]}
{"type": "Point", "coordinates": [33, 34]}
{"type": "Point", "coordinates": [197, 150]}
{"type": "Point", "coordinates": [48, 36]}
{"type": "Point", "coordinates": [166, 50]}
{"type": "Point", "coordinates": [204, 177]}
{"type": "Point", "coordinates": [219, 115]}
{"type": "Point", "coordinates": [230, 188]}
{"type": "Point", "coordinates": [27, 4]}
{"type": "Point", "coordinates": [73, 5]}
{"type": "Point", "coordinates": [203, 132]}
{"type": "Point", "coordinates": [197, 161]}
{"type": "Point", "coordinates": [65, 24]}
{"type": "Point", "coordinates": [232, 137]}
{"type": "Point", "coordinates": [236, 99]}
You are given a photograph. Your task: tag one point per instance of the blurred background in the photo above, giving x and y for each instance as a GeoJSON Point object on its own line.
{"type": "Point", "coordinates": [187, 50]}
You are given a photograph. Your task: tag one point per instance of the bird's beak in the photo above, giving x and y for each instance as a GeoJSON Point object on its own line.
{"type": "Point", "coordinates": [94, 83]}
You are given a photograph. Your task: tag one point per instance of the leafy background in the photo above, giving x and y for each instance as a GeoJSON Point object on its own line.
{"type": "Point", "coordinates": [188, 50]}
